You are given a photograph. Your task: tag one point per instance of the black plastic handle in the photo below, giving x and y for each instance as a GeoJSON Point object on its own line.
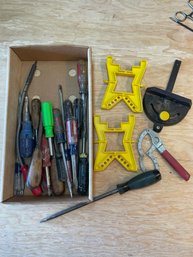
{"type": "Point", "coordinates": [142, 180]}
{"type": "Point", "coordinates": [83, 176]}
{"type": "Point", "coordinates": [173, 75]}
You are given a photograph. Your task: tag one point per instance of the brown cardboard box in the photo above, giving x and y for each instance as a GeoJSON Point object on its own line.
{"type": "Point", "coordinates": [56, 65]}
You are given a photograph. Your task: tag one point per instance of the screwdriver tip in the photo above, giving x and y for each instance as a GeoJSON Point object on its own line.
{"type": "Point", "coordinates": [49, 192]}
{"type": "Point", "coordinates": [43, 220]}
{"type": "Point", "coordinates": [71, 194]}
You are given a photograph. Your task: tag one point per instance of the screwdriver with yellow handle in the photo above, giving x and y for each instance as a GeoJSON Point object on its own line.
{"type": "Point", "coordinates": [139, 181]}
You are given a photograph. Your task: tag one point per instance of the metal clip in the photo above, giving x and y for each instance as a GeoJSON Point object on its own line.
{"type": "Point", "coordinates": [158, 145]}
{"type": "Point", "coordinates": [149, 152]}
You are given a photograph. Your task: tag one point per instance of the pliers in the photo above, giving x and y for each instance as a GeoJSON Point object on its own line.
{"type": "Point", "coordinates": [159, 146]}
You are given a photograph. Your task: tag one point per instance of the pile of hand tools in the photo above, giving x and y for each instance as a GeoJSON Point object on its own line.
{"type": "Point", "coordinates": [51, 142]}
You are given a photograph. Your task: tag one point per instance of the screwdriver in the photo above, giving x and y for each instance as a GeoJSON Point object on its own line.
{"type": "Point", "coordinates": [77, 110]}
{"type": "Point", "coordinates": [18, 180]}
{"type": "Point", "coordinates": [37, 191]}
{"type": "Point", "coordinates": [20, 108]}
{"type": "Point", "coordinates": [26, 142]}
{"type": "Point", "coordinates": [83, 157]}
{"type": "Point", "coordinates": [72, 139]}
{"type": "Point", "coordinates": [59, 135]}
{"type": "Point", "coordinates": [35, 114]}
{"type": "Point", "coordinates": [35, 170]}
{"type": "Point", "coordinates": [59, 163]}
{"type": "Point", "coordinates": [48, 123]}
{"type": "Point", "coordinates": [18, 175]}
{"type": "Point", "coordinates": [46, 163]}
{"type": "Point", "coordinates": [66, 148]}
{"type": "Point", "coordinates": [142, 180]}
{"type": "Point", "coordinates": [24, 167]}
{"type": "Point", "coordinates": [57, 172]}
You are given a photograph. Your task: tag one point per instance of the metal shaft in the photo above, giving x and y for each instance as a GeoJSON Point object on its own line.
{"type": "Point", "coordinates": [74, 170]}
{"type": "Point", "coordinates": [68, 176]}
{"type": "Point", "coordinates": [84, 129]}
{"type": "Point", "coordinates": [48, 181]}
{"type": "Point", "coordinates": [141, 180]}
{"type": "Point", "coordinates": [50, 145]}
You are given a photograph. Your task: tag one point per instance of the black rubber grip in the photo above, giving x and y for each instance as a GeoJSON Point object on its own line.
{"type": "Point", "coordinates": [142, 180]}
{"type": "Point", "coordinates": [83, 176]}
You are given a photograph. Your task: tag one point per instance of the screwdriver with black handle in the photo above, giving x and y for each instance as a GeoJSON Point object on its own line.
{"type": "Point", "coordinates": [83, 173]}
{"type": "Point", "coordinates": [59, 137]}
{"type": "Point", "coordinates": [77, 110]}
{"type": "Point", "coordinates": [61, 171]}
{"type": "Point", "coordinates": [139, 181]}
{"type": "Point", "coordinates": [58, 172]}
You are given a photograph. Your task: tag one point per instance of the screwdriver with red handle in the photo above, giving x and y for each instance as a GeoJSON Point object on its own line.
{"type": "Point", "coordinates": [35, 115]}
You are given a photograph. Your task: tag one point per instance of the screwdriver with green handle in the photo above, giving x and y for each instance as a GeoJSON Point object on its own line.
{"type": "Point", "coordinates": [48, 123]}
{"type": "Point", "coordinates": [139, 181]}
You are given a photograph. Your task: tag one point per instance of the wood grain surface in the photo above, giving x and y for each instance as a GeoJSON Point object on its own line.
{"type": "Point", "coordinates": [153, 222]}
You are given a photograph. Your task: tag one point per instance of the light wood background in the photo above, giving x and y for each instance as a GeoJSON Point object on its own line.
{"type": "Point", "coordinates": [156, 221]}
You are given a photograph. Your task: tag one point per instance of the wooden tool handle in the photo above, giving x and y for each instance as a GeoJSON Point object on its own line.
{"type": "Point", "coordinates": [176, 165]}
{"type": "Point", "coordinates": [35, 170]}
{"type": "Point", "coordinates": [35, 111]}
{"type": "Point", "coordinates": [57, 185]}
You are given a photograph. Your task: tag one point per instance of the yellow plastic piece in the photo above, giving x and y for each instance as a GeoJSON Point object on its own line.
{"type": "Point", "coordinates": [164, 115]}
{"type": "Point", "coordinates": [132, 99]}
{"type": "Point", "coordinates": [103, 157]}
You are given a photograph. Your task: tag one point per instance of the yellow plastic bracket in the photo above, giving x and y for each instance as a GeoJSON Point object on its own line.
{"type": "Point", "coordinates": [132, 99]}
{"type": "Point", "coordinates": [103, 157]}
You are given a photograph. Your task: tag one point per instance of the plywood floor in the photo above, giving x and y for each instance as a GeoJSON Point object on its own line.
{"type": "Point", "coordinates": [153, 222]}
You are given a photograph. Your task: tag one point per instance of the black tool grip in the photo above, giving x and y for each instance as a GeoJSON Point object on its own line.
{"type": "Point", "coordinates": [142, 180]}
{"type": "Point", "coordinates": [83, 176]}
{"type": "Point", "coordinates": [173, 75]}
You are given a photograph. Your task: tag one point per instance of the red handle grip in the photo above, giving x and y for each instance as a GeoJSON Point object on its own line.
{"type": "Point", "coordinates": [176, 165]}
{"type": "Point", "coordinates": [36, 191]}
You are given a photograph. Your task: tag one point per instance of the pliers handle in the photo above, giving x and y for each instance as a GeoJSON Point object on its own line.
{"type": "Point", "coordinates": [159, 146]}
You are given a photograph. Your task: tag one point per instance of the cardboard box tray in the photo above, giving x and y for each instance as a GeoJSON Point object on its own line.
{"type": "Point", "coordinates": [56, 65]}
